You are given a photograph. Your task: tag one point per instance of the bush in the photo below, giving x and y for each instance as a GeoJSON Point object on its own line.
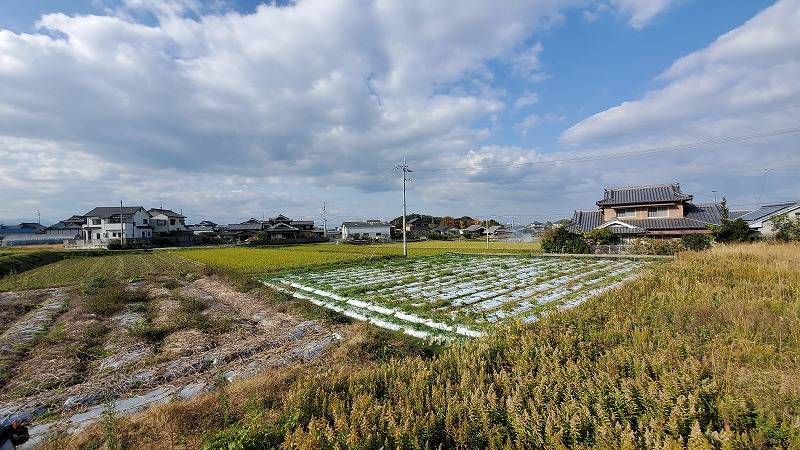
{"type": "Point", "coordinates": [786, 229]}
{"type": "Point", "coordinates": [696, 242]}
{"type": "Point", "coordinates": [647, 246]}
{"type": "Point", "coordinates": [115, 245]}
{"type": "Point", "coordinates": [559, 240]}
{"type": "Point", "coordinates": [600, 236]}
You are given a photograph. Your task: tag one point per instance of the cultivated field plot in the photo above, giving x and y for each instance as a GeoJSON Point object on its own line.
{"type": "Point", "coordinates": [448, 296]}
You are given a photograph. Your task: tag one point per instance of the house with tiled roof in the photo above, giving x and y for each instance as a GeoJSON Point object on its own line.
{"type": "Point", "coordinates": [660, 211]}
{"type": "Point", "coordinates": [761, 219]}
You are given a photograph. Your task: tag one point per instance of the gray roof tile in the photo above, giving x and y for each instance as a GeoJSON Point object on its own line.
{"type": "Point", "coordinates": [644, 194]}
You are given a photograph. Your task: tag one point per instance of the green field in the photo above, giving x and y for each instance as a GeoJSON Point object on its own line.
{"type": "Point", "coordinates": [74, 270]}
{"type": "Point", "coordinates": [266, 259]}
{"type": "Point", "coordinates": [238, 260]}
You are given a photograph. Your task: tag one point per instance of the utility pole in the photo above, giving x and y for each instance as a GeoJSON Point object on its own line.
{"type": "Point", "coordinates": [487, 234]}
{"type": "Point", "coordinates": [404, 170]}
{"type": "Point", "coordinates": [39, 217]}
{"type": "Point", "coordinates": [325, 219]}
{"type": "Point", "coordinates": [121, 225]}
{"type": "Point", "coordinates": [715, 196]}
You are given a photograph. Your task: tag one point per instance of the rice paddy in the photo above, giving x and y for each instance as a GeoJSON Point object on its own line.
{"type": "Point", "coordinates": [455, 295]}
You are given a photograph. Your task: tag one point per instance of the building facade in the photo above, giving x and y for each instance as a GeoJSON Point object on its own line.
{"type": "Point", "coordinates": [657, 211]}
{"type": "Point", "coordinates": [369, 230]}
{"type": "Point", "coordinates": [106, 224]}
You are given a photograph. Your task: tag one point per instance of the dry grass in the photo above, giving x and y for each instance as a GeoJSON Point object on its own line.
{"type": "Point", "coordinates": [702, 352]}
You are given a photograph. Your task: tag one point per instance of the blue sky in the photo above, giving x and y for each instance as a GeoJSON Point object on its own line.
{"type": "Point", "coordinates": [230, 109]}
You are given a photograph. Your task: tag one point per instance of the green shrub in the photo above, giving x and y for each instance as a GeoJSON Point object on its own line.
{"type": "Point", "coordinates": [786, 228]}
{"type": "Point", "coordinates": [600, 236]}
{"type": "Point", "coordinates": [696, 242]}
{"type": "Point", "coordinates": [647, 246]}
{"type": "Point", "coordinates": [559, 240]}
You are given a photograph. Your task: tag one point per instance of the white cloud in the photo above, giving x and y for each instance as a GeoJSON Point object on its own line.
{"type": "Point", "coordinates": [641, 12]}
{"type": "Point", "coordinates": [743, 82]}
{"type": "Point", "coordinates": [297, 92]}
{"type": "Point", "coordinates": [526, 99]}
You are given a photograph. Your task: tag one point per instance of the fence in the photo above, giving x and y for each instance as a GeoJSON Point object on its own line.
{"type": "Point", "coordinates": [612, 249]}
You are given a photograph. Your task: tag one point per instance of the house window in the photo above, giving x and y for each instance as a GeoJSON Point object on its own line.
{"type": "Point", "coordinates": [144, 221]}
{"type": "Point", "coordinates": [98, 235]}
{"type": "Point", "coordinates": [113, 234]}
{"type": "Point", "coordinates": [658, 211]}
{"type": "Point", "coordinates": [626, 212]}
{"type": "Point", "coordinates": [95, 221]}
{"type": "Point", "coordinates": [161, 223]}
{"type": "Point", "coordinates": [377, 234]}
{"type": "Point", "coordinates": [172, 221]}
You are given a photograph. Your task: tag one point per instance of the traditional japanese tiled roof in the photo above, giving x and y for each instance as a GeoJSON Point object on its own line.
{"type": "Point", "coordinates": [696, 217]}
{"type": "Point", "coordinates": [585, 221]}
{"type": "Point", "coordinates": [474, 228]}
{"type": "Point", "coordinates": [244, 226]}
{"type": "Point", "coordinates": [640, 195]}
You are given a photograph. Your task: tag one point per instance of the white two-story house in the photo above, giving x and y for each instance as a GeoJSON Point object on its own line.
{"type": "Point", "coordinates": [166, 221]}
{"type": "Point", "coordinates": [108, 223]}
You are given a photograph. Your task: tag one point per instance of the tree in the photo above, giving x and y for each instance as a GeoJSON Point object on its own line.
{"type": "Point", "coordinates": [786, 229]}
{"type": "Point", "coordinates": [733, 231]}
{"type": "Point", "coordinates": [559, 240]}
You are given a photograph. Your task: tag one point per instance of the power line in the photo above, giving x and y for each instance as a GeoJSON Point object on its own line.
{"type": "Point", "coordinates": [631, 153]}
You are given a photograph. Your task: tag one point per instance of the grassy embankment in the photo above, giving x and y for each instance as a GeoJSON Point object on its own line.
{"type": "Point", "coordinates": [702, 352]}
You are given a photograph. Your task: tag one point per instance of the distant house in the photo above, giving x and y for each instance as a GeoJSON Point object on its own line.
{"type": "Point", "coordinates": [369, 230]}
{"type": "Point", "coordinates": [69, 228]}
{"type": "Point", "coordinates": [166, 221]}
{"type": "Point", "coordinates": [416, 225]}
{"type": "Point", "coordinates": [657, 211]}
{"type": "Point", "coordinates": [498, 232]}
{"type": "Point", "coordinates": [241, 231]}
{"type": "Point", "coordinates": [444, 230]}
{"type": "Point", "coordinates": [276, 228]}
{"type": "Point", "coordinates": [108, 223]}
{"type": "Point", "coordinates": [761, 219]}
{"type": "Point", "coordinates": [36, 227]}
{"type": "Point", "coordinates": [473, 231]}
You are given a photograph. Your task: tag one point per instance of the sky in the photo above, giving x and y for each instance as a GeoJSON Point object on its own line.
{"type": "Point", "coordinates": [227, 110]}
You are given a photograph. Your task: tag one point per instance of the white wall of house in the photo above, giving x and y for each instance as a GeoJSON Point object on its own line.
{"type": "Point", "coordinates": [162, 223]}
{"type": "Point", "coordinates": [104, 230]}
{"type": "Point", "coordinates": [362, 232]}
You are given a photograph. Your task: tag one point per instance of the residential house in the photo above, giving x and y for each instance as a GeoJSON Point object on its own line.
{"type": "Point", "coordinates": [761, 219]}
{"type": "Point", "coordinates": [35, 227]}
{"type": "Point", "coordinates": [166, 222]}
{"type": "Point", "coordinates": [108, 223]}
{"type": "Point", "coordinates": [241, 231]}
{"type": "Point", "coordinates": [658, 211]}
{"type": "Point", "coordinates": [69, 228]}
{"type": "Point", "coordinates": [473, 231]}
{"type": "Point", "coordinates": [369, 230]}
{"type": "Point", "coordinates": [499, 232]}
{"type": "Point", "coordinates": [276, 228]}
{"type": "Point", "coordinates": [444, 230]}
{"type": "Point", "coordinates": [416, 225]}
